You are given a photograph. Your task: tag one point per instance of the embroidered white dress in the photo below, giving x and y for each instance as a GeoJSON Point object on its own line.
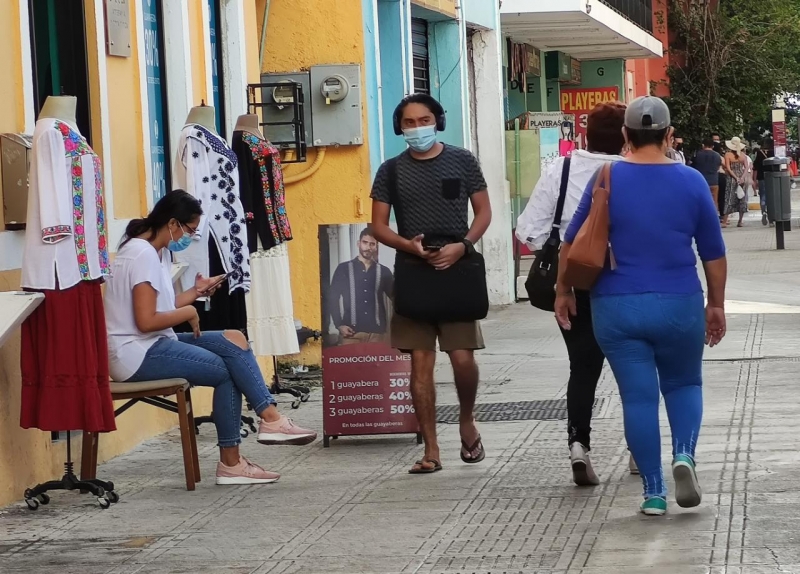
{"type": "Point", "coordinates": [66, 241]}
{"type": "Point", "coordinates": [206, 167]}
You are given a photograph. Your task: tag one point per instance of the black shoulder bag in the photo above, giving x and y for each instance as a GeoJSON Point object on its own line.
{"type": "Point", "coordinates": [422, 293]}
{"type": "Point", "coordinates": [541, 282]}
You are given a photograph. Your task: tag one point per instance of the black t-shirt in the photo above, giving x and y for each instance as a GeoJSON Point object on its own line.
{"type": "Point", "coordinates": [758, 164]}
{"type": "Point", "coordinates": [433, 194]}
{"type": "Point", "coordinates": [707, 162]}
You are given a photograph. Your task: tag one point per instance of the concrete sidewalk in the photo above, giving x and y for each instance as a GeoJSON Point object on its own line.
{"type": "Point", "coordinates": [353, 507]}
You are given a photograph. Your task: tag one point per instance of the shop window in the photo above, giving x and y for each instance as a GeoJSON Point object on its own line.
{"type": "Point", "coordinates": [215, 31]}
{"type": "Point", "coordinates": [419, 48]}
{"type": "Point", "coordinates": [58, 47]}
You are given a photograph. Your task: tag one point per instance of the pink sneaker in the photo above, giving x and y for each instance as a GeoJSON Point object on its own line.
{"type": "Point", "coordinates": [244, 473]}
{"type": "Point", "coordinates": [284, 431]}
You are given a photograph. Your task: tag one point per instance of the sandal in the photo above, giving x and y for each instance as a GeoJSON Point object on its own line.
{"type": "Point", "coordinates": [477, 445]}
{"type": "Point", "coordinates": [437, 466]}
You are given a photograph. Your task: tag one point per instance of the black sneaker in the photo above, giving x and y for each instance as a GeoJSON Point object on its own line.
{"type": "Point", "coordinates": [764, 219]}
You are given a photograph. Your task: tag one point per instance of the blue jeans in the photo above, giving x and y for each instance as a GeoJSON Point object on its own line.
{"type": "Point", "coordinates": [655, 341]}
{"type": "Point", "coordinates": [762, 194]}
{"type": "Point", "coordinates": [211, 361]}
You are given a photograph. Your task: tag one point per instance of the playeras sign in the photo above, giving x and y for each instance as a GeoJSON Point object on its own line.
{"type": "Point", "coordinates": [581, 101]}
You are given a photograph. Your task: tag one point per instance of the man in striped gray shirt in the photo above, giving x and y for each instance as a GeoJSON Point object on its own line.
{"type": "Point", "coordinates": [358, 295]}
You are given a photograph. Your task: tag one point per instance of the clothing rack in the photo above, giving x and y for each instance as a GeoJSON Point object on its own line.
{"type": "Point", "coordinates": [103, 490]}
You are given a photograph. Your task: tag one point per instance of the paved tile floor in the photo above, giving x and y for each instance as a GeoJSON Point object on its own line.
{"type": "Point", "coordinates": [354, 509]}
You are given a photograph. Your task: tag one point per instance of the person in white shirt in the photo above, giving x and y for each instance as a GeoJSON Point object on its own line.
{"type": "Point", "coordinates": [141, 311]}
{"type": "Point", "coordinates": [604, 142]}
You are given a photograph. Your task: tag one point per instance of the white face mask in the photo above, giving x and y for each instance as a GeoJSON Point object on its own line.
{"type": "Point", "coordinates": [420, 139]}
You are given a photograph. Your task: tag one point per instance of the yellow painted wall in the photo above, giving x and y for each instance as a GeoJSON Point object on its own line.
{"type": "Point", "coordinates": [299, 35]}
{"type": "Point", "coordinates": [197, 39]}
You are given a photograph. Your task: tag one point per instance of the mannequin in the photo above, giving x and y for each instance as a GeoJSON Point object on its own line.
{"type": "Point", "coordinates": [205, 167]}
{"type": "Point", "coordinates": [64, 355]}
{"type": "Point", "coordinates": [61, 108]}
{"type": "Point", "coordinates": [269, 302]}
{"type": "Point", "coordinates": [248, 123]}
{"type": "Point", "coordinates": [203, 115]}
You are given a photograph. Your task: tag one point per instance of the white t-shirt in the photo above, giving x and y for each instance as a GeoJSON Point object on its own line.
{"type": "Point", "coordinates": [136, 262]}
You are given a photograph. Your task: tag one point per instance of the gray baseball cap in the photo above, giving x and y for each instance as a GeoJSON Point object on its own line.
{"type": "Point", "coordinates": [647, 113]}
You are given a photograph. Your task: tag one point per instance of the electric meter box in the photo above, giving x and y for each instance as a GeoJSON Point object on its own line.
{"type": "Point", "coordinates": [284, 112]}
{"type": "Point", "coordinates": [15, 162]}
{"type": "Point", "coordinates": [336, 114]}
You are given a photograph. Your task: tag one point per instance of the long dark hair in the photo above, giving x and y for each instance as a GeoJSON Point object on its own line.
{"type": "Point", "coordinates": [176, 204]}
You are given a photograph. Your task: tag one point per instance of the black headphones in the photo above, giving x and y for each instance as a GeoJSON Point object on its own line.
{"type": "Point", "coordinates": [426, 100]}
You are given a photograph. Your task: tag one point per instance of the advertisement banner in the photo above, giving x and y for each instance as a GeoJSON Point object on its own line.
{"type": "Point", "coordinates": [366, 383]}
{"type": "Point", "coordinates": [779, 132]}
{"type": "Point", "coordinates": [580, 101]}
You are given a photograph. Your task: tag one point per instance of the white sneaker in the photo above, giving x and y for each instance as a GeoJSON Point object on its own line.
{"type": "Point", "coordinates": [582, 472]}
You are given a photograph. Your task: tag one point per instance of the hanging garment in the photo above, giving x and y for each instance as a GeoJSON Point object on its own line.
{"type": "Point", "coordinates": [66, 240]}
{"type": "Point", "coordinates": [64, 359]}
{"type": "Point", "coordinates": [206, 168]}
{"type": "Point", "coordinates": [262, 191]}
{"type": "Point", "coordinates": [270, 310]}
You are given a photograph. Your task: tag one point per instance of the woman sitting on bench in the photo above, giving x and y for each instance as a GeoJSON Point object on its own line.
{"type": "Point", "coordinates": [141, 311]}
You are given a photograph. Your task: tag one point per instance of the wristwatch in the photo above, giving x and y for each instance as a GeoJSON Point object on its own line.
{"type": "Point", "coordinates": [469, 246]}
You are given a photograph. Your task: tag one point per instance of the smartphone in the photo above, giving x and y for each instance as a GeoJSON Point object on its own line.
{"type": "Point", "coordinates": [221, 280]}
{"type": "Point", "coordinates": [433, 248]}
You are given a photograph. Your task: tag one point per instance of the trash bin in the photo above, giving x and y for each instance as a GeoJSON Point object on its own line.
{"type": "Point", "coordinates": [779, 196]}
{"type": "Point", "coordinates": [779, 189]}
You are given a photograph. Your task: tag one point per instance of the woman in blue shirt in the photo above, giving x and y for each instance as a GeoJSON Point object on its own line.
{"type": "Point", "coordinates": [648, 310]}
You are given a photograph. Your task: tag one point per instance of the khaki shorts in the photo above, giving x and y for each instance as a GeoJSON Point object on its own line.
{"type": "Point", "coordinates": [410, 335]}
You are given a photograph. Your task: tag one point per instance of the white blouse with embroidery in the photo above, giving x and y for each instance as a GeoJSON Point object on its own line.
{"type": "Point", "coordinates": [66, 240]}
{"type": "Point", "coordinates": [206, 167]}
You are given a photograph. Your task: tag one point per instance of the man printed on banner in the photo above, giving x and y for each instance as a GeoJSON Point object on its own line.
{"type": "Point", "coordinates": [359, 293]}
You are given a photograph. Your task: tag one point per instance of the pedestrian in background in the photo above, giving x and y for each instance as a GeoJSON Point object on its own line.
{"type": "Point", "coordinates": [604, 145]}
{"type": "Point", "coordinates": [722, 176]}
{"type": "Point", "coordinates": [758, 168]}
{"type": "Point", "coordinates": [647, 304]}
{"type": "Point", "coordinates": [708, 163]}
{"type": "Point", "coordinates": [735, 168]}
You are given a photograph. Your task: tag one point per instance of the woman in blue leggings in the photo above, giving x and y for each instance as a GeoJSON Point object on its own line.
{"type": "Point", "coordinates": [648, 308]}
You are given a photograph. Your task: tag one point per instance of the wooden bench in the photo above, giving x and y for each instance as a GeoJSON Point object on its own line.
{"type": "Point", "coordinates": [152, 393]}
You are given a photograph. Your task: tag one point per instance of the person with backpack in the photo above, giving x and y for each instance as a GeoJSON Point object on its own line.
{"type": "Point", "coordinates": [430, 186]}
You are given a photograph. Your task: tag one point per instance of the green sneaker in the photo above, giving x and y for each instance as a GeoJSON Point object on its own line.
{"type": "Point", "coordinates": [654, 506]}
{"type": "Point", "coordinates": [688, 493]}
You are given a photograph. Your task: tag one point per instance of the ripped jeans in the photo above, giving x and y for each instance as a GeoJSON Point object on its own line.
{"type": "Point", "coordinates": [211, 361]}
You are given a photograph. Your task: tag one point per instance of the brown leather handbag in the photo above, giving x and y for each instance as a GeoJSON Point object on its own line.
{"type": "Point", "coordinates": [591, 249]}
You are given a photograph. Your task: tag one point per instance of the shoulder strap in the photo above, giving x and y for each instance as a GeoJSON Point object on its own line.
{"type": "Point", "coordinates": [562, 197]}
{"type": "Point", "coordinates": [603, 180]}
{"type": "Point", "coordinates": [391, 184]}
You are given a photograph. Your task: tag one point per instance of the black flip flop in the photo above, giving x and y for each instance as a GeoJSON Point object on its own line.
{"type": "Point", "coordinates": [469, 449]}
{"type": "Point", "coordinates": [437, 466]}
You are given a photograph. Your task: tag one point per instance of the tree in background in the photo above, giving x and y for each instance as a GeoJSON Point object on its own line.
{"type": "Point", "coordinates": [729, 59]}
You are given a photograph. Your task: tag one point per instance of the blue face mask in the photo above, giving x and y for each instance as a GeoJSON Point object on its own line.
{"type": "Point", "coordinates": [181, 244]}
{"type": "Point", "coordinates": [420, 139]}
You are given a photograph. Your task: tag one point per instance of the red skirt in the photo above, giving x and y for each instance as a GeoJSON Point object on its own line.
{"type": "Point", "coordinates": [65, 380]}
